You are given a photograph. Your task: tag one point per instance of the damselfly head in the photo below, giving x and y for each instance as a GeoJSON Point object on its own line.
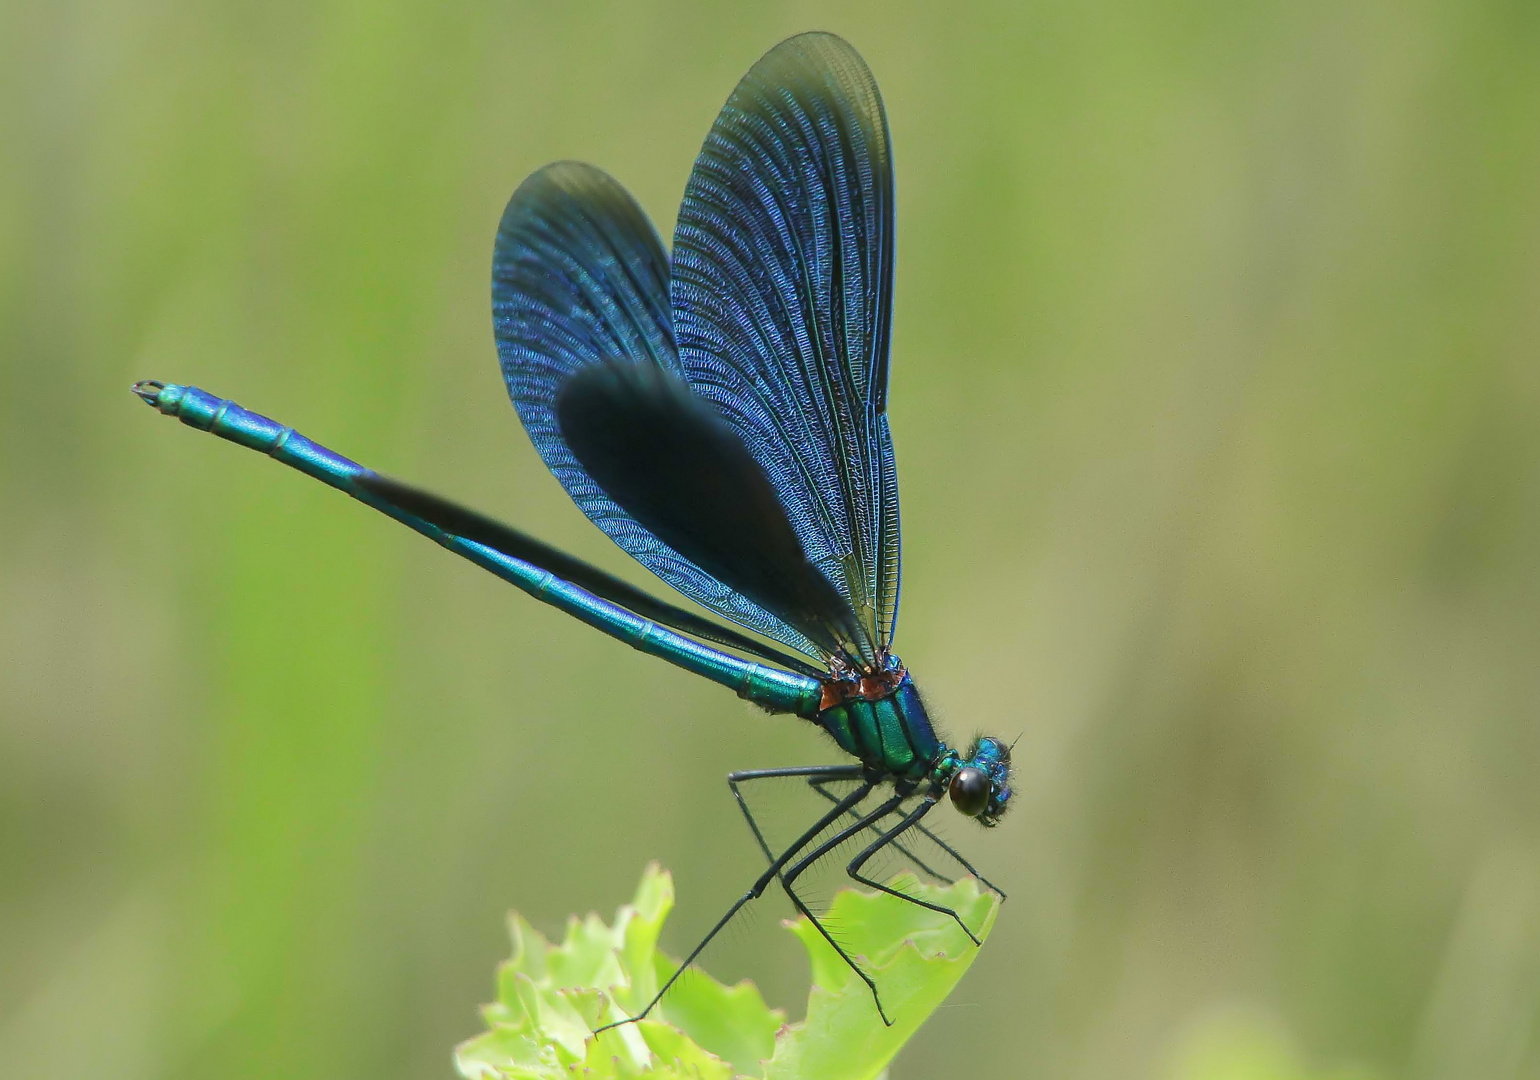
{"type": "Point", "coordinates": [980, 786]}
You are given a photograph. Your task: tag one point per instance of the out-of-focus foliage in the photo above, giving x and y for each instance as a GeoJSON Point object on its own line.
{"type": "Point", "coordinates": [1217, 408]}
{"type": "Point", "coordinates": [551, 997]}
{"type": "Point", "coordinates": [1238, 1045]}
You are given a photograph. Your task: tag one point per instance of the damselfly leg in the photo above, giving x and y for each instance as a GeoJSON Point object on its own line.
{"type": "Point", "coordinates": [860, 825]}
{"type": "Point", "coordinates": [815, 775]}
{"type": "Point", "coordinates": [773, 873]}
{"type": "Point", "coordinates": [903, 849]}
{"type": "Point", "coordinates": [948, 849]}
{"type": "Point", "coordinates": [909, 821]}
{"type": "Point", "coordinates": [862, 822]}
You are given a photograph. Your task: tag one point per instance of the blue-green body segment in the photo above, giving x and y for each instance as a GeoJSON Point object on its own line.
{"type": "Point", "coordinates": [768, 687]}
{"type": "Point", "coordinates": [892, 734]}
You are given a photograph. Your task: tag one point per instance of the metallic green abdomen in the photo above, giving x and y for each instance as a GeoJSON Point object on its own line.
{"type": "Point", "coordinates": [892, 733]}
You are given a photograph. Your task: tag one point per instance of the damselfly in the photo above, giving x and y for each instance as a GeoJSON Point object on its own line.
{"type": "Point", "coordinates": [721, 413]}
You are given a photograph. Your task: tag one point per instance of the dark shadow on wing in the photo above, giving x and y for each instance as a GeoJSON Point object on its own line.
{"type": "Point", "coordinates": [480, 529]}
{"type": "Point", "coordinates": [666, 457]}
{"type": "Point", "coordinates": [580, 278]}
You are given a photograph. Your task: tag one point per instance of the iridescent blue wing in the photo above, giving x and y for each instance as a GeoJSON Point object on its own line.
{"type": "Point", "coordinates": [579, 278]}
{"type": "Point", "coordinates": [781, 287]}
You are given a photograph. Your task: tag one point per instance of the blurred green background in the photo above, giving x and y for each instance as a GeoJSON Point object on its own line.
{"type": "Point", "coordinates": [1217, 405]}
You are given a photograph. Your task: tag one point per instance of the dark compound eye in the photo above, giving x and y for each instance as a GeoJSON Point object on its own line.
{"type": "Point", "coordinates": [969, 790]}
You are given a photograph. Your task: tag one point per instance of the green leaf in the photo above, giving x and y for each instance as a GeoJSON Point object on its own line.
{"type": "Point", "coordinates": [550, 997]}
{"type": "Point", "coordinates": [914, 955]}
